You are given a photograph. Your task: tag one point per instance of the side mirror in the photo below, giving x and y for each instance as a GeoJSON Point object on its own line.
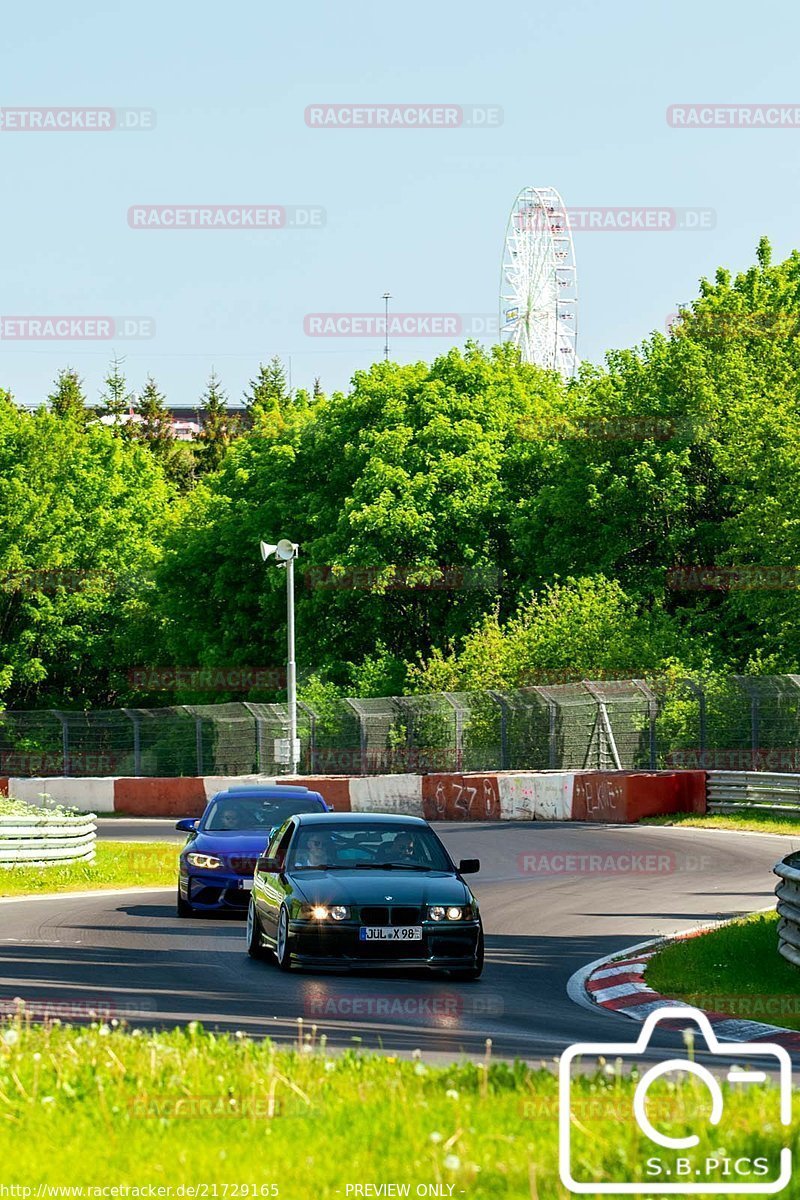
{"type": "Point", "coordinates": [469, 866]}
{"type": "Point", "coordinates": [268, 866]}
{"type": "Point", "coordinates": [187, 824]}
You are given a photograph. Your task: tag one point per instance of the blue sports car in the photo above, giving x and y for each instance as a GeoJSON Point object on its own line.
{"type": "Point", "coordinates": [218, 860]}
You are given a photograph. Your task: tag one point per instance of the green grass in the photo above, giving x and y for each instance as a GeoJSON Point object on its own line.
{"type": "Point", "coordinates": [96, 1105]}
{"type": "Point", "coordinates": [749, 819]}
{"type": "Point", "coordinates": [116, 865]}
{"type": "Point", "coordinates": [734, 969]}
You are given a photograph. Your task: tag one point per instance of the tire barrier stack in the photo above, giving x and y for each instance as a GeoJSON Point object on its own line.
{"type": "Point", "coordinates": [788, 893]}
{"type": "Point", "coordinates": [46, 840]}
{"type": "Point", "coordinates": [604, 796]}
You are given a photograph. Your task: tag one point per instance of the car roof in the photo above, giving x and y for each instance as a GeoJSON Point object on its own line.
{"type": "Point", "coordinates": [268, 793]}
{"type": "Point", "coordinates": [347, 818]}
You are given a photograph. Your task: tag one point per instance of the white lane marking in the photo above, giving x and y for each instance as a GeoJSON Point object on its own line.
{"type": "Point", "coordinates": [83, 895]}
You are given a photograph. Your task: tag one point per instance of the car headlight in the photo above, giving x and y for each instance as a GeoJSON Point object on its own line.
{"type": "Point", "coordinates": [438, 912]}
{"type": "Point", "coordinates": [207, 862]}
{"type": "Point", "coordinates": [321, 912]}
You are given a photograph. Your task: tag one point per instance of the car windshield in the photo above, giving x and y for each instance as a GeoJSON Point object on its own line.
{"type": "Point", "coordinates": [259, 813]}
{"type": "Point", "coordinates": [360, 846]}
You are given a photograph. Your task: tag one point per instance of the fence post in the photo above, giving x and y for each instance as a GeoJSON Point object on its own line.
{"type": "Point", "coordinates": [458, 729]}
{"type": "Point", "coordinates": [362, 732]}
{"type": "Point", "coordinates": [502, 704]}
{"type": "Point", "coordinates": [552, 722]}
{"type": "Point", "coordinates": [312, 736]}
{"type": "Point", "coordinates": [133, 717]}
{"type": "Point", "coordinates": [697, 690]}
{"type": "Point", "coordinates": [652, 710]}
{"type": "Point", "coordinates": [64, 739]}
{"type": "Point", "coordinates": [603, 726]}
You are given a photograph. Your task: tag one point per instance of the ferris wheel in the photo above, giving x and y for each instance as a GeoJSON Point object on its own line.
{"type": "Point", "coordinates": [539, 282]}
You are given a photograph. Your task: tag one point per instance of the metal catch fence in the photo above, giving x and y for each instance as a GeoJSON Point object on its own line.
{"type": "Point", "coordinates": [738, 724]}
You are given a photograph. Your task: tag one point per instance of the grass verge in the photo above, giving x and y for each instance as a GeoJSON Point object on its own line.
{"type": "Point", "coordinates": [98, 1106]}
{"type": "Point", "coordinates": [735, 969]}
{"type": "Point", "coordinates": [749, 819]}
{"type": "Point", "coordinates": [116, 865]}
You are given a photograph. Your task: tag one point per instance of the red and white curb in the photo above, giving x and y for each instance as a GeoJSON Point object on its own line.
{"type": "Point", "coordinates": [617, 984]}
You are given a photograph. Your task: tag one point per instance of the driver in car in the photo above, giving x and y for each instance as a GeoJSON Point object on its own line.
{"type": "Point", "coordinates": [316, 853]}
{"type": "Point", "coordinates": [227, 817]}
{"type": "Point", "coordinates": [404, 847]}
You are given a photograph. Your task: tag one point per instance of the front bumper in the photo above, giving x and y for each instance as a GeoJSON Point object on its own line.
{"type": "Point", "coordinates": [215, 891]}
{"type": "Point", "coordinates": [317, 943]}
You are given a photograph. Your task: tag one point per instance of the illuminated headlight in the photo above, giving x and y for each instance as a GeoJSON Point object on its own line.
{"type": "Point", "coordinates": [206, 862]}
{"type": "Point", "coordinates": [455, 914]}
{"type": "Point", "coordinates": [436, 913]}
{"type": "Point", "coordinates": [322, 912]}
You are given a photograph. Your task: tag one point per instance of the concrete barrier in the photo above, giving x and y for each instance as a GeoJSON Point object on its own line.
{"type": "Point", "coordinates": [448, 797]}
{"type": "Point", "coordinates": [628, 796]}
{"type": "Point", "coordinates": [89, 795]}
{"type": "Point", "coordinates": [387, 794]}
{"type": "Point", "coordinates": [610, 796]}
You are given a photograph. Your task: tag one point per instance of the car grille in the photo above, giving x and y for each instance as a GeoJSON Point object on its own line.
{"type": "Point", "coordinates": [242, 866]}
{"type": "Point", "coordinates": [396, 915]}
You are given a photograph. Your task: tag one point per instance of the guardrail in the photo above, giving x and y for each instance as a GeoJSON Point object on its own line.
{"type": "Point", "coordinates": [42, 841]}
{"type": "Point", "coordinates": [727, 791]}
{"type": "Point", "coordinates": [788, 893]}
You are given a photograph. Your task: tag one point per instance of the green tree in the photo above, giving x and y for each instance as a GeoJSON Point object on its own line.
{"type": "Point", "coordinates": [155, 421]}
{"type": "Point", "coordinates": [268, 393]}
{"type": "Point", "coordinates": [67, 400]}
{"type": "Point", "coordinates": [116, 402]}
{"type": "Point", "coordinates": [218, 427]}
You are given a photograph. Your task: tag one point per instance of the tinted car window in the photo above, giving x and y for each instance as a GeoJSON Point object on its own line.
{"type": "Point", "coordinates": [253, 812]}
{"type": "Point", "coordinates": [368, 844]}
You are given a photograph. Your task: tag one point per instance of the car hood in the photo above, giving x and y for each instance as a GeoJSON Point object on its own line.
{"type": "Point", "coordinates": [374, 887]}
{"type": "Point", "coordinates": [245, 843]}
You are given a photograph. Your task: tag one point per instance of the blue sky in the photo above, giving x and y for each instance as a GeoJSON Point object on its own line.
{"type": "Point", "coordinates": [584, 89]}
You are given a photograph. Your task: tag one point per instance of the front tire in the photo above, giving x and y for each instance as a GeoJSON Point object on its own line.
{"type": "Point", "coordinates": [183, 907]}
{"type": "Point", "coordinates": [469, 974]}
{"type": "Point", "coordinates": [283, 951]}
{"type": "Point", "coordinates": [255, 947]}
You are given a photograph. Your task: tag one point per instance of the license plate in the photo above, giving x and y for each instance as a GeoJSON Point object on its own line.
{"type": "Point", "coordinates": [390, 933]}
{"type": "Point", "coordinates": [247, 884]}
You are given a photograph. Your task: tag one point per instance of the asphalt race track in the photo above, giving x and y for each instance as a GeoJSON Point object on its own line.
{"type": "Point", "coordinates": [544, 915]}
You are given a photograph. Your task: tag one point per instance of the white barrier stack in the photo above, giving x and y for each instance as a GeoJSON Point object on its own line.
{"type": "Point", "coordinates": [46, 840]}
{"type": "Point", "coordinates": [400, 794]}
{"type": "Point", "coordinates": [536, 797]}
{"type": "Point", "coordinates": [95, 795]}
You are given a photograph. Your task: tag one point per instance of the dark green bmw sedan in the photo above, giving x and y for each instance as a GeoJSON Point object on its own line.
{"type": "Point", "coordinates": [364, 890]}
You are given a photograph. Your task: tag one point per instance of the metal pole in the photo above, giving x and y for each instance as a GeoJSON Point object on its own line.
{"type": "Point", "coordinates": [291, 670]}
{"type": "Point", "coordinates": [386, 298]}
